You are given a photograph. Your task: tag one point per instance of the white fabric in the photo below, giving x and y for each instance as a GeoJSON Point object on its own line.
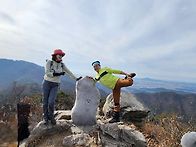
{"type": "Point", "coordinates": [86, 103]}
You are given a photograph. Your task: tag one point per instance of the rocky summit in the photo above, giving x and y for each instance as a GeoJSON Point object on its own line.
{"type": "Point", "coordinates": [66, 133]}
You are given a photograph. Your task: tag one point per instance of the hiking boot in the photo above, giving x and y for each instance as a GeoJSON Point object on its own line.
{"type": "Point", "coordinates": [53, 121]}
{"type": "Point", "coordinates": [115, 117]}
{"type": "Point", "coordinates": [45, 122]}
{"type": "Point", "coordinates": [131, 75]}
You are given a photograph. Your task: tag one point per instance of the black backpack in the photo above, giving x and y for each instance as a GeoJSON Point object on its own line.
{"type": "Point", "coordinates": [51, 63]}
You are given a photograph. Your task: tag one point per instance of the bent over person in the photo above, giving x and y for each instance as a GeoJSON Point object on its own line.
{"type": "Point", "coordinates": [105, 77]}
{"type": "Point", "coordinates": [53, 70]}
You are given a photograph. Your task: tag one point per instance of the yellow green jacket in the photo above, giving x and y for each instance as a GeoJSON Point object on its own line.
{"type": "Point", "coordinates": [108, 80]}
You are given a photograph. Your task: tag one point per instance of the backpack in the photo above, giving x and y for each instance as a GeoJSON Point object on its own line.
{"type": "Point", "coordinates": [51, 63]}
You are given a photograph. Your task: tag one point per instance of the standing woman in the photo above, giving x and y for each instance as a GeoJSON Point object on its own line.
{"type": "Point", "coordinates": [53, 70]}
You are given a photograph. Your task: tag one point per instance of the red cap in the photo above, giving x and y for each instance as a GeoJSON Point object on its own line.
{"type": "Point", "coordinates": [58, 52]}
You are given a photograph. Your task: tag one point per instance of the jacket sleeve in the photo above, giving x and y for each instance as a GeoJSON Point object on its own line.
{"type": "Point", "coordinates": [114, 71]}
{"type": "Point", "coordinates": [68, 72]}
{"type": "Point", "coordinates": [48, 71]}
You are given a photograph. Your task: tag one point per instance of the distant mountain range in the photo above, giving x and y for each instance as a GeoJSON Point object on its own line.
{"type": "Point", "coordinates": [170, 102]}
{"type": "Point", "coordinates": [27, 72]}
{"type": "Point", "coordinates": [152, 85]}
{"type": "Point", "coordinates": [19, 71]}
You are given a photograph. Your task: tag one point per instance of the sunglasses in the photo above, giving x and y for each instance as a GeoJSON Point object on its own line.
{"type": "Point", "coordinates": [96, 65]}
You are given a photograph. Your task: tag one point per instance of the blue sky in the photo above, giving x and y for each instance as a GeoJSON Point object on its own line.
{"type": "Point", "coordinates": [154, 38]}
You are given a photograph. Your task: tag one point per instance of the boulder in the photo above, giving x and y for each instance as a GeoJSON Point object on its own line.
{"type": "Point", "coordinates": [41, 132]}
{"type": "Point", "coordinates": [86, 102]}
{"type": "Point", "coordinates": [78, 140]}
{"type": "Point", "coordinates": [189, 139]}
{"type": "Point", "coordinates": [121, 135]}
{"type": "Point", "coordinates": [101, 134]}
{"type": "Point", "coordinates": [131, 108]}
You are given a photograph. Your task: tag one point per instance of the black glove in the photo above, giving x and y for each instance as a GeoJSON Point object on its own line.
{"type": "Point", "coordinates": [58, 74]}
{"type": "Point", "coordinates": [77, 79]}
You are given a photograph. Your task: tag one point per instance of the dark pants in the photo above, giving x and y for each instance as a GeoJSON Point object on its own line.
{"type": "Point", "coordinates": [49, 92]}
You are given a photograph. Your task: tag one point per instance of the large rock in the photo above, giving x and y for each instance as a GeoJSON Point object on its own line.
{"type": "Point", "coordinates": [121, 135]}
{"type": "Point", "coordinates": [77, 140]}
{"type": "Point", "coordinates": [131, 108]}
{"type": "Point", "coordinates": [42, 132]}
{"type": "Point", "coordinates": [83, 136]}
{"type": "Point", "coordinates": [99, 135]}
{"type": "Point", "coordinates": [86, 103]}
{"type": "Point", "coordinates": [189, 139]}
{"type": "Point", "coordinates": [102, 134]}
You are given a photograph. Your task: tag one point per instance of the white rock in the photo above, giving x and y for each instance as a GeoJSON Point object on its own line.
{"type": "Point", "coordinates": [86, 103]}
{"type": "Point", "coordinates": [189, 139]}
{"type": "Point", "coordinates": [130, 106]}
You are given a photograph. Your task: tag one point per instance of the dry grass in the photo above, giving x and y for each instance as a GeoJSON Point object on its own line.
{"type": "Point", "coordinates": [11, 144]}
{"type": "Point", "coordinates": [165, 131]}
